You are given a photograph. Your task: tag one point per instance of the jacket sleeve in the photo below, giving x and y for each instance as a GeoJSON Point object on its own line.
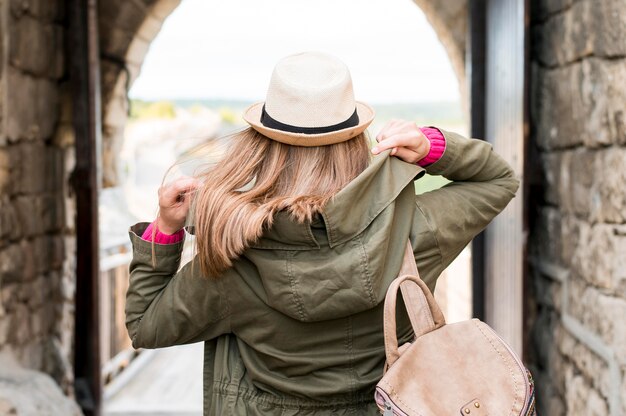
{"type": "Point", "coordinates": [447, 219]}
{"type": "Point", "coordinates": [166, 306]}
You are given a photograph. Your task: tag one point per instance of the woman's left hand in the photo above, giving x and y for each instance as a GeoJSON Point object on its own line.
{"type": "Point", "coordinates": [406, 139]}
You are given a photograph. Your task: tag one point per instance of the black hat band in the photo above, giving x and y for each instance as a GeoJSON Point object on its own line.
{"type": "Point", "coordinates": [268, 121]}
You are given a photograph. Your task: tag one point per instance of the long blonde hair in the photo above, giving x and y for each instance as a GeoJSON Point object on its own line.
{"type": "Point", "coordinates": [258, 177]}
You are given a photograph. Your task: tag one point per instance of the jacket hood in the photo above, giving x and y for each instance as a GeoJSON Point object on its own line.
{"type": "Point", "coordinates": [335, 265]}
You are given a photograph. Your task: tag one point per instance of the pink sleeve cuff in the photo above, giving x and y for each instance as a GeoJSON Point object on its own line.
{"type": "Point", "coordinates": [437, 145]}
{"type": "Point", "coordinates": [162, 238]}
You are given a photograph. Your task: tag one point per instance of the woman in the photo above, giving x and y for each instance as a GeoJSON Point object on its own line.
{"type": "Point", "coordinates": [299, 233]}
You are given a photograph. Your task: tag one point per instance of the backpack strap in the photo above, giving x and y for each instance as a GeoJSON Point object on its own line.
{"type": "Point", "coordinates": [424, 313]}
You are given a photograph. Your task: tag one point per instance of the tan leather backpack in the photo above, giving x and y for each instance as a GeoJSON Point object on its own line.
{"type": "Point", "coordinates": [463, 368]}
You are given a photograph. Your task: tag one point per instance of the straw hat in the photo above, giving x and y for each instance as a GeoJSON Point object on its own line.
{"type": "Point", "coordinates": [310, 102]}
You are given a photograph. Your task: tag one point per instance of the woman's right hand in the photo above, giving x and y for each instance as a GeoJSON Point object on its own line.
{"type": "Point", "coordinates": [174, 202]}
{"type": "Point", "coordinates": [405, 138]}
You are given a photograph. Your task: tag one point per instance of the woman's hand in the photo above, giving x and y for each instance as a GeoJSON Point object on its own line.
{"type": "Point", "coordinates": [174, 201]}
{"type": "Point", "coordinates": [406, 139]}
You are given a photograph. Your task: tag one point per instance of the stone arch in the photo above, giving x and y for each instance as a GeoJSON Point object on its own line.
{"type": "Point", "coordinates": [127, 27]}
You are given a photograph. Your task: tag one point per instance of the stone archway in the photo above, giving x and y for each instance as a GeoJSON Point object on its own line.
{"type": "Point", "coordinates": [127, 28]}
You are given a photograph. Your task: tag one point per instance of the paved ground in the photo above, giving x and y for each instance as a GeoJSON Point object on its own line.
{"type": "Point", "coordinates": [166, 381]}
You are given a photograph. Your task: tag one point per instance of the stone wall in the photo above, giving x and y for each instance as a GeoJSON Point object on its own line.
{"type": "Point", "coordinates": [578, 237]}
{"type": "Point", "coordinates": [36, 207]}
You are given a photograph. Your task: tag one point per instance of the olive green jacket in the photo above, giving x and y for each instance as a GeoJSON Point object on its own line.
{"type": "Point", "coordinates": [295, 326]}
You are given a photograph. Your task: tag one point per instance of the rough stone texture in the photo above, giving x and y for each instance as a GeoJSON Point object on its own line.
{"type": "Point", "coordinates": [578, 239]}
{"type": "Point", "coordinates": [25, 392]}
{"type": "Point", "coordinates": [587, 28]}
{"type": "Point", "coordinates": [46, 11]}
{"type": "Point", "coordinates": [587, 98]}
{"type": "Point", "coordinates": [36, 48]}
{"type": "Point", "coordinates": [34, 106]}
{"type": "Point", "coordinates": [34, 255]}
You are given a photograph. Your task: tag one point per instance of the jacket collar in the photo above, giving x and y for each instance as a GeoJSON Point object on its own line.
{"type": "Point", "coordinates": [350, 211]}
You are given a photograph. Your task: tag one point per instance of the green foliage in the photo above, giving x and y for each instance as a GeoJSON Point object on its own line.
{"type": "Point", "coordinates": [228, 115]}
{"type": "Point", "coordinates": [141, 110]}
{"type": "Point", "coordinates": [429, 183]}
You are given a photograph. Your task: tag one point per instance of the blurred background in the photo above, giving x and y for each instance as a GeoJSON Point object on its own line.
{"type": "Point", "coordinates": [101, 101]}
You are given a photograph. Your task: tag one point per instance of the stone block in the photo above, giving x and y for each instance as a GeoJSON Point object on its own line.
{"type": "Point", "coordinates": [573, 233]}
{"type": "Point", "coordinates": [68, 277]}
{"type": "Point", "coordinates": [42, 247]}
{"type": "Point", "coordinates": [565, 37]}
{"type": "Point", "coordinates": [57, 364]}
{"type": "Point", "coordinates": [30, 211]}
{"type": "Point", "coordinates": [12, 264]}
{"type": "Point", "coordinates": [609, 24]}
{"type": "Point", "coordinates": [163, 8]}
{"type": "Point", "coordinates": [124, 15]}
{"type": "Point", "coordinates": [587, 28]}
{"type": "Point", "coordinates": [36, 325]}
{"type": "Point", "coordinates": [8, 296]}
{"type": "Point", "coordinates": [605, 96]}
{"type": "Point", "coordinates": [137, 51]}
{"type": "Point", "coordinates": [575, 181]}
{"type": "Point", "coordinates": [49, 317]}
{"type": "Point", "coordinates": [64, 135]}
{"type": "Point", "coordinates": [5, 168]}
{"type": "Point", "coordinates": [57, 251]}
{"type": "Point", "coordinates": [551, 167]}
{"type": "Point", "coordinates": [4, 331]}
{"type": "Point", "coordinates": [115, 41]}
{"type": "Point", "coordinates": [55, 169]}
{"type": "Point", "coordinates": [543, 245]}
{"type": "Point", "coordinates": [581, 103]}
{"type": "Point", "coordinates": [54, 216]}
{"type": "Point", "coordinates": [599, 256]}
{"type": "Point", "coordinates": [557, 113]}
{"type": "Point", "coordinates": [110, 74]}
{"type": "Point", "coordinates": [47, 107]}
{"type": "Point", "coordinates": [548, 292]}
{"type": "Point", "coordinates": [603, 315]}
{"type": "Point", "coordinates": [548, 402]}
{"type": "Point", "coordinates": [46, 10]}
{"type": "Point", "coordinates": [31, 354]}
{"type": "Point", "coordinates": [150, 28]}
{"type": "Point", "coordinates": [31, 175]}
{"type": "Point", "coordinates": [36, 292]}
{"type": "Point", "coordinates": [10, 228]}
{"type": "Point", "coordinates": [544, 343]}
{"type": "Point", "coordinates": [22, 116]}
{"type": "Point", "coordinates": [34, 107]}
{"type": "Point", "coordinates": [57, 69]}
{"type": "Point", "coordinates": [609, 191]}
{"type": "Point", "coordinates": [116, 112]}
{"type": "Point", "coordinates": [593, 367]}
{"type": "Point", "coordinates": [581, 398]}
{"type": "Point", "coordinates": [19, 327]}
{"type": "Point", "coordinates": [36, 47]}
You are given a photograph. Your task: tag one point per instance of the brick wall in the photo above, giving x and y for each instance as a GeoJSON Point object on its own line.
{"type": "Point", "coordinates": [578, 240]}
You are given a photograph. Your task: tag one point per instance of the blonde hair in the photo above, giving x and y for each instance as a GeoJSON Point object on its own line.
{"type": "Point", "coordinates": [258, 177]}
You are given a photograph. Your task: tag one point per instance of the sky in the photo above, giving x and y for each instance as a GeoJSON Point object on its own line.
{"type": "Point", "coordinates": [210, 49]}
